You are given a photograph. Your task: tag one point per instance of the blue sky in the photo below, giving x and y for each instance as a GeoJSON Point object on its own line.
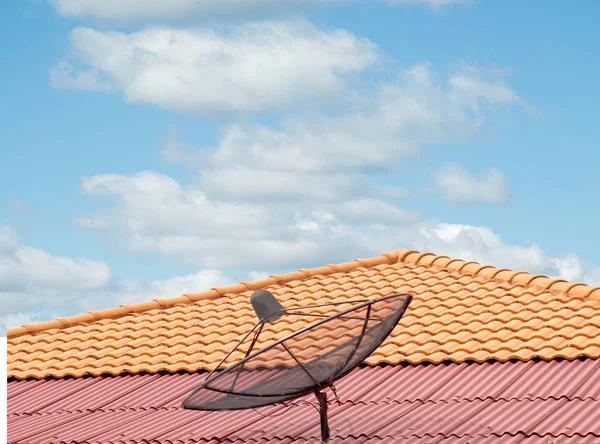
{"type": "Point", "coordinates": [148, 152]}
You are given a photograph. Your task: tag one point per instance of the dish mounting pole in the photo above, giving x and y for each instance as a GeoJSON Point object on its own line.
{"type": "Point", "coordinates": [322, 398]}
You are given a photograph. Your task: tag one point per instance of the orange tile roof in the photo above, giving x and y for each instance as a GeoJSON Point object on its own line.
{"type": "Point", "coordinates": [461, 311]}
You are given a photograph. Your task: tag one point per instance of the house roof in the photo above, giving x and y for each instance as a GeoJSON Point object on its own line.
{"type": "Point", "coordinates": [522, 401]}
{"type": "Point", "coordinates": [461, 311]}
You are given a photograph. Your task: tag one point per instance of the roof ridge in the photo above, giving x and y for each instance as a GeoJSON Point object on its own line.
{"type": "Point", "coordinates": [577, 289]}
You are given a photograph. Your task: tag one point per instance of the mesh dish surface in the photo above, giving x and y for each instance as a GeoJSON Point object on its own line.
{"type": "Point", "coordinates": [291, 367]}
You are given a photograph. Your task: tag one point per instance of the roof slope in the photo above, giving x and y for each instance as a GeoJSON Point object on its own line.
{"type": "Point", "coordinates": [447, 403]}
{"type": "Point", "coordinates": [461, 311]}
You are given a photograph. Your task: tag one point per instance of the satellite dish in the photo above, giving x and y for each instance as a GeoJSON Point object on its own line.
{"type": "Point", "coordinates": [306, 360]}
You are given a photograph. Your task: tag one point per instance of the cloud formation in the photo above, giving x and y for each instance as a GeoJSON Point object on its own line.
{"type": "Point", "coordinates": [36, 285]}
{"type": "Point", "coordinates": [31, 278]}
{"type": "Point", "coordinates": [65, 76]}
{"type": "Point", "coordinates": [291, 238]}
{"type": "Point", "coordinates": [131, 291]}
{"type": "Point", "coordinates": [15, 320]}
{"type": "Point", "coordinates": [459, 186]}
{"type": "Point", "coordinates": [155, 214]}
{"type": "Point", "coordinates": [481, 244]}
{"type": "Point", "coordinates": [383, 129]}
{"type": "Point", "coordinates": [248, 68]}
{"type": "Point", "coordinates": [300, 194]}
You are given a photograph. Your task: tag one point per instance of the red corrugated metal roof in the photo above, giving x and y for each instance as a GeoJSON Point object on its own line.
{"type": "Point", "coordinates": [556, 401]}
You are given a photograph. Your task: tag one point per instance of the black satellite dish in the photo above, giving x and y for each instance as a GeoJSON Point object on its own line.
{"type": "Point", "coordinates": [307, 360]}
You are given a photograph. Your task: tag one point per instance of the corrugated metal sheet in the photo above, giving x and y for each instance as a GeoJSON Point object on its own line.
{"type": "Point", "coordinates": [525, 402]}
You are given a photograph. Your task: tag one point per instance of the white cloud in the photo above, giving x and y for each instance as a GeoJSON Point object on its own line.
{"type": "Point", "coordinates": [257, 275]}
{"type": "Point", "coordinates": [154, 204]}
{"type": "Point", "coordinates": [375, 211]}
{"type": "Point", "coordinates": [31, 278]}
{"type": "Point", "coordinates": [573, 269]}
{"type": "Point", "coordinates": [245, 184]}
{"type": "Point", "coordinates": [414, 110]}
{"type": "Point", "coordinates": [470, 84]}
{"type": "Point", "coordinates": [44, 269]}
{"type": "Point", "coordinates": [23, 267]}
{"type": "Point", "coordinates": [167, 9]}
{"type": "Point", "coordinates": [130, 291]}
{"type": "Point", "coordinates": [9, 241]}
{"type": "Point", "coordinates": [459, 186]}
{"type": "Point", "coordinates": [156, 214]}
{"type": "Point", "coordinates": [300, 236]}
{"type": "Point", "coordinates": [481, 244]}
{"type": "Point", "coordinates": [248, 68]}
{"type": "Point", "coordinates": [52, 301]}
{"type": "Point", "coordinates": [469, 88]}
{"type": "Point", "coordinates": [15, 320]}
{"type": "Point", "coordinates": [37, 286]}
{"type": "Point", "coordinates": [65, 76]}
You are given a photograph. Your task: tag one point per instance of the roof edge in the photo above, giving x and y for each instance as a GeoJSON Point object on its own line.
{"type": "Point", "coordinates": [577, 289]}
